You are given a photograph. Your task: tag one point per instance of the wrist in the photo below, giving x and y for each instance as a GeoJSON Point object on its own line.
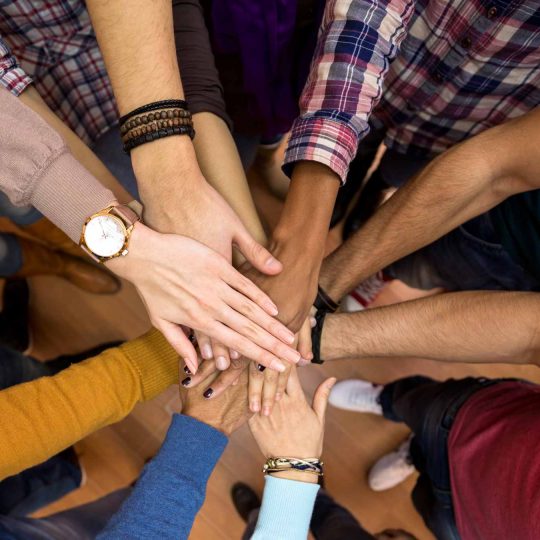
{"type": "Point", "coordinates": [298, 476]}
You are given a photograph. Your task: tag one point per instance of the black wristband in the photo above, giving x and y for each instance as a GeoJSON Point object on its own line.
{"type": "Point", "coordinates": [164, 104]}
{"type": "Point", "coordinates": [316, 334]}
{"type": "Point", "coordinates": [161, 134]}
{"type": "Point", "coordinates": [324, 303]}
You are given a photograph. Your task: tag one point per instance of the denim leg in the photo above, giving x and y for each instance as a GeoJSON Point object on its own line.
{"type": "Point", "coordinates": [11, 259]}
{"type": "Point", "coordinates": [17, 368]}
{"type": "Point", "coordinates": [429, 408]}
{"type": "Point", "coordinates": [81, 523]}
{"type": "Point", "coordinates": [108, 148]}
{"type": "Point", "coordinates": [330, 521]}
{"type": "Point", "coordinates": [39, 486]}
{"type": "Point", "coordinates": [20, 215]}
{"type": "Point", "coordinates": [470, 257]}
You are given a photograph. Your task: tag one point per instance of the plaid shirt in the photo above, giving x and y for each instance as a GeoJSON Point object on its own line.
{"type": "Point", "coordinates": [463, 66]}
{"type": "Point", "coordinates": [53, 44]}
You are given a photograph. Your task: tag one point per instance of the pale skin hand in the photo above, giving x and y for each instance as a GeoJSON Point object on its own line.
{"type": "Point", "coordinates": [196, 287]}
{"type": "Point", "coordinates": [294, 429]}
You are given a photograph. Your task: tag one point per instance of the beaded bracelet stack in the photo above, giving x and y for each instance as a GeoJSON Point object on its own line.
{"type": "Point", "coordinates": [280, 464]}
{"type": "Point", "coordinates": [155, 121]}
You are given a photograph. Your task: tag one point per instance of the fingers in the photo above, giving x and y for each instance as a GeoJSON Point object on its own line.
{"type": "Point", "coordinates": [221, 355]}
{"type": "Point", "coordinates": [205, 345]}
{"type": "Point", "coordinates": [293, 387]}
{"type": "Point", "coordinates": [304, 343]}
{"type": "Point", "coordinates": [205, 370]}
{"type": "Point", "coordinates": [246, 287]}
{"type": "Point", "coordinates": [258, 345]}
{"type": "Point", "coordinates": [282, 384]}
{"type": "Point", "coordinates": [320, 399]}
{"type": "Point", "coordinates": [255, 386]}
{"type": "Point", "coordinates": [256, 254]}
{"type": "Point", "coordinates": [226, 378]}
{"type": "Point", "coordinates": [179, 342]}
{"type": "Point", "coordinates": [269, 390]}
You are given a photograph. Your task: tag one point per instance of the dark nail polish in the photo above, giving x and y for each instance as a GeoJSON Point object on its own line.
{"type": "Point", "coordinates": [186, 370]}
{"type": "Point", "coordinates": [186, 381]}
{"type": "Point", "coordinates": [260, 367]}
{"type": "Point", "coordinates": [208, 393]}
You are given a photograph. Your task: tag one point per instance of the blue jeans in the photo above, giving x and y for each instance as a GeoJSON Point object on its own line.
{"type": "Point", "coordinates": [429, 408]}
{"type": "Point", "coordinates": [38, 486]}
{"type": "Point", "coordinates": [80, 523]}
{"type": "Point", "coordinates": [108, 148]}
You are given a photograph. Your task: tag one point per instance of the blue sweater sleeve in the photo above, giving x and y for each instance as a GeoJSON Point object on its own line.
{"type": "Point", "coordinates": [286, 510]}
{"type": "Point", "coordinates": [172, 487]}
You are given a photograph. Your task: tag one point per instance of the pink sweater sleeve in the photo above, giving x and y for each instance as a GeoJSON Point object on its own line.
{"type": "Point", "coordinates": [37, 168]}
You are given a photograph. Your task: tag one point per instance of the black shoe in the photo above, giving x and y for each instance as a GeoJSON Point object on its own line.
{"type": "Point", "coordinates": [245, 500]}
{"type": "Point", "coordinates": [14, 328]}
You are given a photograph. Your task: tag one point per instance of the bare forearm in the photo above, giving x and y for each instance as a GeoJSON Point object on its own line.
{"type": "Point", "coordinates": [462, 183]}
{"type": "Point", "coordinates": [472, 327]}
{"type": "Point", "coordinates": [222, 168]}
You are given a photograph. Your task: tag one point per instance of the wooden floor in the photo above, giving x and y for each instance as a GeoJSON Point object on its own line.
{"type": "Point", "coordinates": [66, 320]}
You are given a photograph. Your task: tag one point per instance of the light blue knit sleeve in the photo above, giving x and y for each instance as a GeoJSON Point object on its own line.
{"type": "Point", "coordinates": [286, 510]}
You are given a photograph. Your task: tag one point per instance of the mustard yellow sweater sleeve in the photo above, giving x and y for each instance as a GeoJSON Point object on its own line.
{"type": "Point", "coordinates": [42, 417]}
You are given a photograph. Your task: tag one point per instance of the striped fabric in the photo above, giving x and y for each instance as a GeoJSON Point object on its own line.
{"type": "Point", "coordinates": [53, 44]}
{"type": "Point", "coordinates": [463, 66]}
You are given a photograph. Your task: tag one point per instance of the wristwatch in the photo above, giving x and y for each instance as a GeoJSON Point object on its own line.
{"type": "Point", "coordinates": [105, 235]}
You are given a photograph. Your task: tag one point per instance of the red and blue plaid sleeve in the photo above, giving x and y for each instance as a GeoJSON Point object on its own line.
{"type": "Point", "coordinates": [357, 40]}
{"type": "Point", "coordinates": [12, 76]}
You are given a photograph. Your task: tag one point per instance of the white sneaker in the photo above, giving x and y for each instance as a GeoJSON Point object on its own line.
{"type": "Point", "coordinates": [356, 395]}
{"type": "Point", "coordinates": [365, 294]}
{"type": "Point", "coordinates": [392, 469]}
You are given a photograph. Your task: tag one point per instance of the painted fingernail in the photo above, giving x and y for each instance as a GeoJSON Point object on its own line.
{"type": "Point", "coordinates": [186, 381]}
{"type": "Point", "coordinates": [234, 354]}
{"type": "Point", "coordinates": [277, 366]}
{"type": "Point", "coordinates": [266, 411]}
{"type": "Point", "coordinates": [255, 406]}
{"type": "Point", "coordinates": [208, 393]}
{"type": "Point", "coordinates": [260, 367]}
{"type": "Point", "coordinates": [206, 351]}
{"type": "Point", "coordinates": [186, 370]}
{"type": "Point", "coordinates": [221, 363]}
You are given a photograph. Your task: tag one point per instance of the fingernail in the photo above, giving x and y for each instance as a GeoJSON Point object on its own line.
{"type": "Point", "coordinates": [286, 335]}
{"type": "Point", "coordinates": [254, 406]}
{"type": "Point", "coordinates": [186, 370]}
{"type": "Point", "coordinates": [208, 393]}
{"type": "Point", "coordinates": [186, 381]}
{"type": "Point", "coordinates": [272, 308]}
{"type": "Point", "coordinates": [292, 356]}
{"type": "Point", "coordinates": [234, 355]}
{"type": "Point", "coordinates": [271, 261]}
{"type": "Point", "coordinates": [277, 366]}
{"type": "Point", "coordinates": [221, 363]}
{"type": "Point", "coordinates": [206, 352]}
{"type": "Point", "coordinates": [266, 411]}
{"type": "Point", "coordinates": [313, 322]}
{"type": "Point", "coordinates": [260, 367]}
{"type": "Point", "coordinates": [278, 396]}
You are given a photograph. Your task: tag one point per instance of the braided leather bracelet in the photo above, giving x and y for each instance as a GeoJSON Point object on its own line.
{"type": "Point", "coordinates": [280, 464]}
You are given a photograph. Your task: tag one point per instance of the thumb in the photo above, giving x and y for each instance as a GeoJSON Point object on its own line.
{"type": "Point", "coordinates": [180, 343]}
{"type": "Point", "coordinates": [257, 255]}
{"type": "Point", "coordinates": [320, 399]}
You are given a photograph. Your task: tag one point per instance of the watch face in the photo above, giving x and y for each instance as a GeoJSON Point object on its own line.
{"type": "Point", "coordinates": [105, 235]}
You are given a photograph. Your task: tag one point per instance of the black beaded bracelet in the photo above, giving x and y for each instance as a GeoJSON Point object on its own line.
{"type": "Point", "coordinates": [324, 302]}
{"type": "Point", "coordinates": [130, 144]}
{"type": "Point", "coordinates": [164, 104]}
